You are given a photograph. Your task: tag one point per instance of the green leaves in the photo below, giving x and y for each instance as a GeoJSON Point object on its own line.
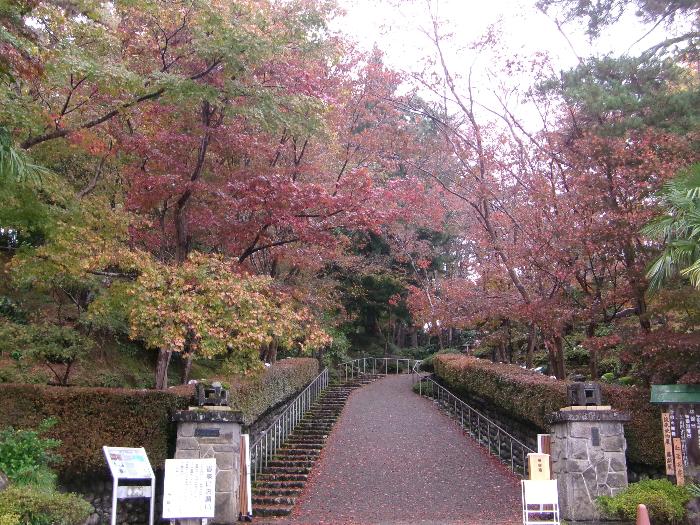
{"type": "Point", "coordinates": [614, 95]}
{"type": "Point", "coordinates": [26, 457]}
{"type": "Point", "coordinates": [678, 229]}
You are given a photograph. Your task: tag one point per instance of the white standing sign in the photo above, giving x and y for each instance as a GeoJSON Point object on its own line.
{"type": "Point", "coordinates": [130, 464]}
{"type": "Point", "coordinates": [189, 488]}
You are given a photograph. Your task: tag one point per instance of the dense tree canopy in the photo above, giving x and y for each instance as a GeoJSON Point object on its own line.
{"type": "Point", "coordinates": [230, 180]}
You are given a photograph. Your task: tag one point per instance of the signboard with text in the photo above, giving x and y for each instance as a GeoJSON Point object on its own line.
{"type": "Point", "coordinates": [128, 463]}
{"type": "Point", "coordinates": [189, 488]}
{"type": "Point", "coordinates": [681, 424]}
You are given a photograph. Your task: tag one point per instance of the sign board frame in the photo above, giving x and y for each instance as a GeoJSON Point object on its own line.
{"type": "Point", "coordinates": [190, 481]}
{"type": "Point", "coordinates": [129, 463]}
{"type": "Point", "coordinates": [680, 423]}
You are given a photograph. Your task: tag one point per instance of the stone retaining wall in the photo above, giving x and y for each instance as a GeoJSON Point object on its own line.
{"type": "Point", "coordinates": [98, 491]}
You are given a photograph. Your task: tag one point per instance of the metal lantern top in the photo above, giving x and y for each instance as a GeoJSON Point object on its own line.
{"type": "Point", "coordinates": [584, 394]}
{"type": "Point", "coordinates": [214, 395]}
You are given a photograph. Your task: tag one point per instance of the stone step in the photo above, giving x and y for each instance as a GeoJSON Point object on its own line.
{"type": "Point", "coordinates": [273, 500]}
{"type": "Point", "coordinates": [272, 510]}
{"type": "Point", "coordinates": [278, 492]}
{"type": "Point", "coordinates": [278, 485]}
{"type": "Point", "coordinates": [281, 477]}
{"type": "Point", "coordinates": [291, 463]}
{"type": "Point", "coordinates": [318, 437]}
{"type": "Point", "coordinates": [278, 470]}
{"type": "Point", "coordinates": [290, 452]}
{"type": "Point", "coordinates": [320, 427]}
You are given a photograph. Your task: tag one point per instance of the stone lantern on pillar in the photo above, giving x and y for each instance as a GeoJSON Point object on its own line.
{"type": "Point", "coordinates": [588, 452]}
{"type": "Point", "coordinates": [213, 430]}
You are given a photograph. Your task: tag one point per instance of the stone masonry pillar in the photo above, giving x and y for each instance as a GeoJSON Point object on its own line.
{"type": "Point", "coordinates": [213, 432]}
{"type": "Point", "coordinates": [588, 458]}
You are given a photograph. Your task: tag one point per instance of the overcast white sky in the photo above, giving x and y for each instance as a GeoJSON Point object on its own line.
{"type": "Point", "coordinates": [396, 27]}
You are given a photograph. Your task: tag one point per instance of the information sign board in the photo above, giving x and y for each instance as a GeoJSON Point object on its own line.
{"type": "Point", "coordinates": [128, 463]}
{"type": "Point", "coordinates": [189, 488]}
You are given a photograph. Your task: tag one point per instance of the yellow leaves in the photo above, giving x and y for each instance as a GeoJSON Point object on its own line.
{"type": "Point", "coordinates": [203, 304]}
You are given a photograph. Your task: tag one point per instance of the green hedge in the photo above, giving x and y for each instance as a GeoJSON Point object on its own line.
{"type": "Point", "coordinates": [256, 394]}
{"type": "Point", "coordinates": [89, 418]}
{"type": "Point", "coordinates": [530, 397]}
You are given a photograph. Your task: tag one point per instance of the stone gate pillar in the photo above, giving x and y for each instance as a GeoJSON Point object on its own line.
{"type": "Point", "coordinates": [213, 432]}
{"type": "Point", "coordinates": [588, 458]}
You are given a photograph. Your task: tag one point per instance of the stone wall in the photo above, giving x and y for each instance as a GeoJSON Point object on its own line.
{"type": "Point", "coordinates": [98, 491]}
{"type": "Point", "coordinates": [588, 459]}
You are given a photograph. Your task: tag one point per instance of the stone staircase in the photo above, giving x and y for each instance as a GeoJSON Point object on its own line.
{"type": "Point", "coordinates": [276, 489]}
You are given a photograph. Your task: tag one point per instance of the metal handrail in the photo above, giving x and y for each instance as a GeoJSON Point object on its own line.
{"type": "Point", "coordinates": [274, 436]}
{"type": "Point", "coordinates": [509, 449]}
{"type": "Point", "coordinates": [374, 365]}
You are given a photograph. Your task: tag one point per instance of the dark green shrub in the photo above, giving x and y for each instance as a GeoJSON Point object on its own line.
{"type": "Point", "coordinates": [530, 397]}
{"type": "Point", "coordinates": [665, 501]}
{"type": "Point", "coordinates": [11, 310]}
{"type": "Point", "coordinates": [26, 457]}
{"type": "Point", "coordinates": [58, 347]}
{"type": "Point", "coordinates": [610, 365]}
{"type": "Point", "coordinates": [38, 507]}
{"type": "Point", "coordinates": [577, 356]}
{"type": "Point", "coordinates": [255, 395]}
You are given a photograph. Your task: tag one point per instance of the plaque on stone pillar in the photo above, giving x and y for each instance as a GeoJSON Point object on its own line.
{"type": "Point", "coordinates": [214, 432]}
{"type": "Point", "coordinates": [588, 458]}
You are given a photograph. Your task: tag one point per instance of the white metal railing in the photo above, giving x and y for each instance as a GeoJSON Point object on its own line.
{"type": "Point", "coordinates": [378, 366]}
{"type": "Point", "coordinates": [509, 449]}
{"type": "Point", "coordinates": [274, 436]}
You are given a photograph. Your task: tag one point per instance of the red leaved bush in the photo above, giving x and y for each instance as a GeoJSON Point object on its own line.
{"type": "Point", "coordinates": [530, 397]}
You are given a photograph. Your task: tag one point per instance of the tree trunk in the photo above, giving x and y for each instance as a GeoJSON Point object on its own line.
{"type": "Point", "coordinates": [531, 344]}
{"type": "Point", "coordinates": [555, 348]}
{"type": "Point", "coordinates": [641, 308]}
{"type": "Point", "coordinates": [414, 336]}
{"type": "Point", "coordinates": [162, 368]}
{"type": "Point", "coordinates": [274, 345]}
{"type": "Point", "coordinates": [186, 368]}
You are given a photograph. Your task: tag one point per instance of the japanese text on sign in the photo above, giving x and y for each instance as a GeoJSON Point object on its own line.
{"type": "Point", "coordinates": [189, 488]}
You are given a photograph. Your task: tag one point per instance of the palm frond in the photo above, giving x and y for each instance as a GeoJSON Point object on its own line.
{"type": "Point", "coordinates": [679, 229]}
{"type": "Point", "coordinates": [15, 165]}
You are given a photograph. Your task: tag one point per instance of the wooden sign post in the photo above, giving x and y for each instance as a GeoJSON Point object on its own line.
{"type": "Point", "coordinates": [680, 422]}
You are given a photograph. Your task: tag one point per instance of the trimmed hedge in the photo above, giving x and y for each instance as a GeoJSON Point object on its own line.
{"type": "Point", "coordinates": [89, 418]}
{"type": "Point", "coordinates": [529, 396]}
{"type": "Point", "coordinates": [254, 395]}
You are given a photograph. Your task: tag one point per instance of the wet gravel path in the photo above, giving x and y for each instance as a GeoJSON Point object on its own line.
{"type": "Point", "coordinates": [394, 458]}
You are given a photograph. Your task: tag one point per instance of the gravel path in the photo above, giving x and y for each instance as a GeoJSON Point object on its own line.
{"type": "Point", "coordinates": [394, 458]}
